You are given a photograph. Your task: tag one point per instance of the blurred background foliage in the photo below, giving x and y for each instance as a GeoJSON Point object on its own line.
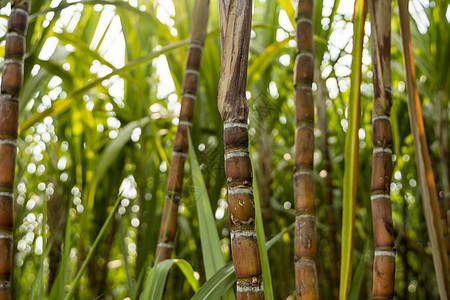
{"type": "Point", "coordinates": [98, 114]}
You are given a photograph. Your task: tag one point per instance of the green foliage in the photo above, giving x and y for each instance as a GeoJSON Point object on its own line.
{"type": "Point", "coordinates": [95, 124]}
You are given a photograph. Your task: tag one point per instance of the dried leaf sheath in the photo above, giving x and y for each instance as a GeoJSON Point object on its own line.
{"type": "Point", "coordinates": [305, 225]}
{"type": "Point", "coordinates": [9, 113]}
{"type": "Point", "coordinates": [424, 170]}
{"type": "Point", "coordinates": [384, 259]}
{"type": "Point", "coordinates": [235, 25]}
{"type": "Point", "coordinates": [180, 148]}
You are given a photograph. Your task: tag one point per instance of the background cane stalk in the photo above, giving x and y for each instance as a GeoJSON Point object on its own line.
{"type": "Point", "coordinates": [305, 224]}
{"type": "Point", "coordinates": [181, 144]}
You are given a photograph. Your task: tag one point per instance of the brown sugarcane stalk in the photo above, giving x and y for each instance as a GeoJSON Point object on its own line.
{"type": "Point", "coordinates": [180, 148]}
{"type": "Point", "coordinates": [235, 26]}
{"type": "Point", "coordinates": [383, 231]}
{"type": "Point", "coordinates": [305, 224]}
{"type": "Point", "coordinates": [424, 170]}
{"type": "Point", "coordinates": [12, 77]}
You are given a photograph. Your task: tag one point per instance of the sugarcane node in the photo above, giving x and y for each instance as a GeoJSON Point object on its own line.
{"type": "Point", "coordinates": [190, 83]}
{"type": "Point", "coordinates": [9, 115]}
{"type": "Point", "coordinates": [6, 212]}
{"type": "Point", "coordinates": [194, 58]}
{"type": "Point", "coordinates": [5, 255]}
{"type": "Point", "coordinates": [12, 77]}
{"type": "Point", "coordinates": [383, 277]}
{"type": "Point", "coordinates": [7, 165]}
{"type": "Point", "coordinates": [304, 68]}
{"type": "Point", "coordinates": [181, 141]}
{"type": "Point", "coordinates": [305, 8]}
{"type": "Point", "coordinates": [306, 285]}
{"type": "Point", "coordinates": [246, 258]}
{"type": "Point", "coordinates": [304, 34]}
{"type": "Point", "coordinates": [5, 290]}
{"type": "Point", "coordinates": [241, 209]}
{"type": "Point", "coordinates": [235, 137]}
{"type": "Point", "coordinates": [381, 172]}
{"type": "Point", "coordinates": [381, 133]}
{"type": "Point", "coordinates": [18, 21]}
{"type": "Point", "coordinates": [238, 170]}
{"type": "Point", "coordinates": [15, 46]}
{"type": "Point", "coordinates": [22, 4]}
{"type": "Point", "coordinates": [187, 107]}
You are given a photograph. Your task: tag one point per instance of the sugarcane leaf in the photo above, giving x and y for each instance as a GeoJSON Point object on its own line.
{"type": "Point", "coordinates": [113, 149]}
{"type": "Point", "coordinates": [351, 150]}
{"type": "Point", "coordinates": [289, 8]}
{"type": "Point", "coordinates": [63, 104]}
{"type": "Point", "coordinates": [212, 253]}
{"type": "Point", "coordinates": [259, 227]}
{"type": "Point", "coordinates": [263, 61]}
{"type": "Point", "coordinates": [155, 284]}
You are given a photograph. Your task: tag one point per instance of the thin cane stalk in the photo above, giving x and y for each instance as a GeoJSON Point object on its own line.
{"type": "Point", "coordinates": [180, 147]}
{"type": "Point", "coordinates": [305, 224]}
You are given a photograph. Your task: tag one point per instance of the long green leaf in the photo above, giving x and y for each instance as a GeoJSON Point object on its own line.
{"type": "Point", "coordinates": [212, 253]}
{"type": "Point", "coordinates": [156, 280]}
{"type": "Point", "coordinates": [351, 151]}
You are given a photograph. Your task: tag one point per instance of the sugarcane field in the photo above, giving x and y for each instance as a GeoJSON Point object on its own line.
{"type": "Point", "coordinates": [228, 149]}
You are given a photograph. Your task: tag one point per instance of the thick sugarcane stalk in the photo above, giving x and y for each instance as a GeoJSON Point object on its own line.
{"type": "Point", "coordinates": [305, 224]}
{"type": "Point", "coordinates": [424, 169]}
{"type": "Point", "coordinates": [383, 231]}
{"type": "Point", "coordinates": [180, 148]}
{"type": "Point", "coordinates": [12, 77]}
{"type": "Point", "coordinates": [235, 26]}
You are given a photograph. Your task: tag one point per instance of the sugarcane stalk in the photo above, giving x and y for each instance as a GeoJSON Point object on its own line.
{"type": "Point", "coordinates": [305, 224]}
{"type": "Point", "coordinates": [12, 77]}
{"type": "Point", "coordinates": [424, 169]}
{"type": "Point", "coordinates": [384, 258]}
{"type": "Point", "coordinates": [235, 26]}
{"type": "Point", "coordinates": [181, 145]}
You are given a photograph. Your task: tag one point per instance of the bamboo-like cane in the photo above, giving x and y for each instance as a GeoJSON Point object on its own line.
{"type": "Point", "coordinates": [235, 26]}
{"type": "Point", "coordinates": [180, 148]}
{"type": "Point", "coordinates": [424, 170]}
{"type": "Point", "coordinates": [12, 77]}
{"type": "Point", "coordinates": [384, 259]}
{"type": "Point", "coordinates": [305, 224]}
